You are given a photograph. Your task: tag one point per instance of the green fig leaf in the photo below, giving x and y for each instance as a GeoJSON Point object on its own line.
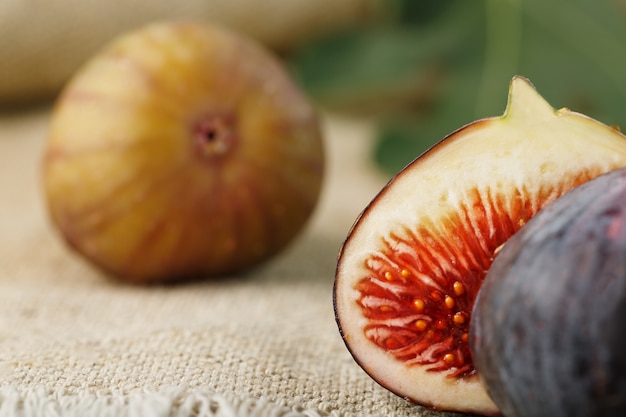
{"type": "Point", "coordinates": [439, 65]}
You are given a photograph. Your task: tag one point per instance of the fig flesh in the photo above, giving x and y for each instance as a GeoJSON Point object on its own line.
{"type": "Point", "coordinates": [181, 150]}
{"type": "Point", "coordinates": [547, 331]}
{"type": "Point", "coordinates": [409, 270]}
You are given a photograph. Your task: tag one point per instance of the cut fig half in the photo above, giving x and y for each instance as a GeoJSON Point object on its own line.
{"type": "Point", "coordinates": [410, 268]}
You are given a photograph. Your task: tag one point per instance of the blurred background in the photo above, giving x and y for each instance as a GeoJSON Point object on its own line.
{"type": "Point", "coordinates": [417, 69]}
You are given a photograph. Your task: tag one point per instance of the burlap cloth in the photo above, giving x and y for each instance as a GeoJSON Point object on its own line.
{"type": "Point", "coordinates": [75, 343]}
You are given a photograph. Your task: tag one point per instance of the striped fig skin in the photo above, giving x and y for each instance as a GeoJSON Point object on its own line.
{"type": "Point", "coordinates": [547, 333]}
{"type": "Point", "coordinates": [181, 150]}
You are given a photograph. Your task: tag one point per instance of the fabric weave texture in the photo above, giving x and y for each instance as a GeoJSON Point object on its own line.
{"type": "Point", "coordinates": [74, 342]}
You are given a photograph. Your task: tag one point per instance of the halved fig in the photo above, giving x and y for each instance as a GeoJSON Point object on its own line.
{"type": "Point", "coordinates": [409, 271]}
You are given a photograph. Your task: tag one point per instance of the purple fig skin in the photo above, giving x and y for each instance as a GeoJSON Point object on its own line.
{"type": "Point", "coordinates": [547, 333]}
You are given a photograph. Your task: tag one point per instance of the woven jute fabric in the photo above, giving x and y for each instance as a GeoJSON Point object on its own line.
{"type": "Point", "coordinates": [74, 342]}
{"type": "Point", "coordinates": [43, 41]}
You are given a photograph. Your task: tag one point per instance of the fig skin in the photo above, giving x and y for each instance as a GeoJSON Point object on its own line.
{"type": "Point", "coordinates": [180, 151]}
{"type": "Point", "coordinates": [547, 331]}
{"type": "Point", "coordinates": [411, 266]}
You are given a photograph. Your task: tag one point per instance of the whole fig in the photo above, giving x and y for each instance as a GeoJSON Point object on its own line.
{"type": "Point", "coordinates": [182, 150]}
{"type": "Point", "coordinates": [547, 333]}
